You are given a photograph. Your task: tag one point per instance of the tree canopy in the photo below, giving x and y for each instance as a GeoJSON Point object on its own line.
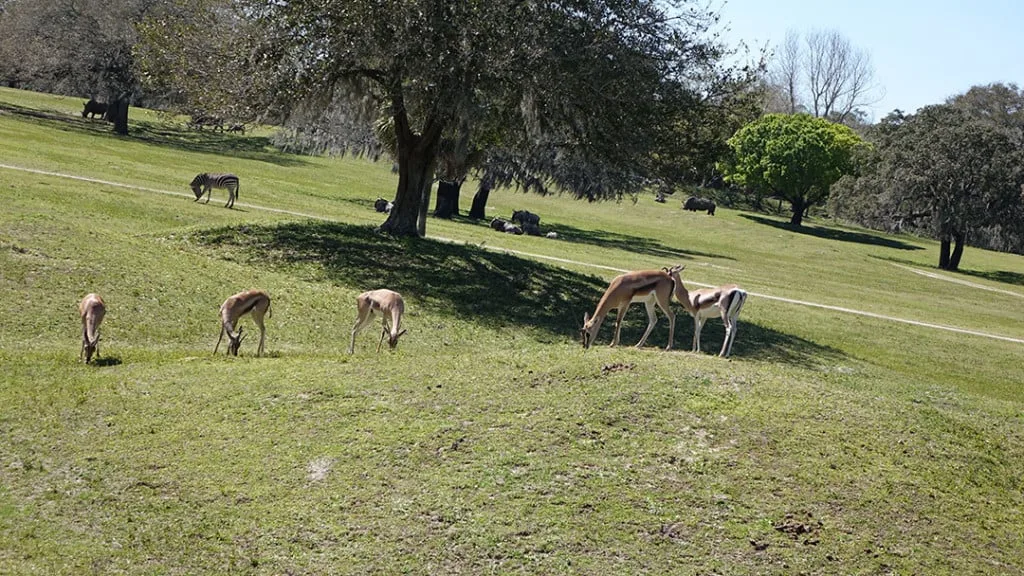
{"type": "Point", "coordinates": [574, 96]}
{"type": "Point", "coordinates": [796, 157]}
{"type": "Point", "coordinates": [946, 173]}
{"type": "Point", "coordinates": [76, 47]}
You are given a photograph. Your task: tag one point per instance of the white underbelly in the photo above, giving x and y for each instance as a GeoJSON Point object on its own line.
{"type": "Point", "coordinates": [712, 311]}
{"type": "Point", "coordinates": [644, 298]}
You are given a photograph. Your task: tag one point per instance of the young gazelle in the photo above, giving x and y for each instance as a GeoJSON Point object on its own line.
{"type": "Point", "coordinates": [255, 301]}
{"type": "Point", "coordinates": [205, 183]}
{"type": "Point", "coordinates": [724, 301]}
{"type": "Point", "coordinates": [390, 304]}
{"type": "Point", "coordinates": [91, 309]}
{"type": "Point", "coordinates": [652, 287]}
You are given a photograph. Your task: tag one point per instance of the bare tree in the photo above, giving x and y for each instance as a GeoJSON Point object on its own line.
{"type": "Point", "coordinates": [825, 75]}
{"type": "Point", "coordinates": [785, 76]}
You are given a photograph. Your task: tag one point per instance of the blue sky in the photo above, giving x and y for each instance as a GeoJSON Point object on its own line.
{"type": "Point", "coordinates": [922, 51]}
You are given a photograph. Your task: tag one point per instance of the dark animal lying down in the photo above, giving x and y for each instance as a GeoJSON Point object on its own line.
{"type": "Point", "coordinates": [694, 204]}
{"type": "Point", "coordinates": [523, 217]}
{"type": "Point", "coordinates": [92, 108]}
{"type": "Point", "coordinates": [382, 205]}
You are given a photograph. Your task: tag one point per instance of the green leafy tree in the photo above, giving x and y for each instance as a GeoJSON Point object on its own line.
{"type": "Point", "coordinates": [796, 157]}
{"type": "Point", "coordinates": [75, 47]}
{"type": "Point", "coordinates": [947, 173]}
{"type": "Point", "coordinates": [570, 94]}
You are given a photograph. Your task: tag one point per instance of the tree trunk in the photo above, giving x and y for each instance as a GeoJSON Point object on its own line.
{"type": "Point", "coordinates": [117, 112]}
{"type": "Point", "coordinates": [480, 200]}
{"type": "Point", "coordinates": [447, 198]}
{"type": "Point", "coordinates": [798, 211]}
{"type": "Point", "coordinates": [944, 253]}
{"type": "Point", "coordinates": [958, 250]}
{"type": "Point", "coordinates": [421, 218]}
{"type": "Point", "coordinates": [416, 160]}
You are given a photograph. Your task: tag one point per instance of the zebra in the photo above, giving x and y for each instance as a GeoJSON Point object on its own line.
{"type": "Point", "coordinates": [206, 182]}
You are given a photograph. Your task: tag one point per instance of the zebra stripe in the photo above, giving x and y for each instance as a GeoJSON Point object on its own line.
{"type": "Point", "coordinates": [204, 183]}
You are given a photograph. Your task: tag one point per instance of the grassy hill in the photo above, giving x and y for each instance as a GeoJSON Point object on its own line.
{"type": "Point", "coordinates": [489, 442]}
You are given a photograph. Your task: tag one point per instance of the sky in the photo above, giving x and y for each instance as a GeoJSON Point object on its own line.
{"type": "Point", "coordinates": [923, 51]}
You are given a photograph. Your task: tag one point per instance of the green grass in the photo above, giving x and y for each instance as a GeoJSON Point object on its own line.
{"type": "Point", "coordinates": [489, 442]}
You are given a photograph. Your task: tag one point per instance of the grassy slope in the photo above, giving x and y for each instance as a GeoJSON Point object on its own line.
{"type": "Point", "coordinates": [488, 442]}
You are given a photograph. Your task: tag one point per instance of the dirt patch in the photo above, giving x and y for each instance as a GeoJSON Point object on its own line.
{"type": "Point", "coordinates": [801, 526]}
{"type": "Point", "coordinates": [616, 367]}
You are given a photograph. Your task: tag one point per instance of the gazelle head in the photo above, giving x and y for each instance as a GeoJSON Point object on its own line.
{"type": "Point", "coordinates": [586, 332]}
{"type": "Point", "coordinates": [235, 342]}
{"type": "Point", "coordinates": [392, 340]}
{"type": "Point", "coordinates": [89, 347]}
{"type": "Point", "coordinates": [674, 270]}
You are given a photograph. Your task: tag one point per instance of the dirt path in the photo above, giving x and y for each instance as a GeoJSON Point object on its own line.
{"type": "Point", "coordinates": [574, 262]}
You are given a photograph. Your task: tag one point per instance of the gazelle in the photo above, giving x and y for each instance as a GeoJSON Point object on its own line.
{"type": "Point", "coordinates": [652, 287]}
{"type": "Point", "coordinates": [724, 301]}
{"type": "Point", "coordinates": [390, 304]}
{"type": "Point", "coordinates": [92, 310]}
{"type": "Point", "coordinates": [255, 301]}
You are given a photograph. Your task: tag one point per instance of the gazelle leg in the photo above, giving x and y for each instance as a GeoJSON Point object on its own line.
{"type": "Point", "coordinates": [671, 323]}
{"type": "Point", "coordinates": [697, 325]}
{"type": "Point", "coordinates": [365, 316]}
{"type": "Point", "coordinates": [734, 325]}
{"type": "Point", "coordinates": [383, 332]}
{"type": "Point", "coordinates": [620, 313]}
{"type": "Point", "coordinates": [219, 338]}
{"type": "Point", "coordinates": [259, 322]}
{"type": "Point", "coordinates": [652, 319]}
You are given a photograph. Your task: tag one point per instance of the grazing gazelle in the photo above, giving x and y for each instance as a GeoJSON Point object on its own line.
{"type": "Point", "coordinates": [205, 183]}
{"type": "Point", "coordinates": [652, 287]}
{"type": "Point", "coordinates": [91, 309]}
{"type": "Point", "coordinates": [390, 304]}
{"type": "Point", "coordinates": [255, 301]}
{"type": "Point", "coordinates": [723, 301]}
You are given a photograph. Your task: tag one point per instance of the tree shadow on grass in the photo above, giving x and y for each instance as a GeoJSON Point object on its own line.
{"type": "Point", "coordinates": [494, 288]}
{"type": "Point", "coordinates": [1002, 276]}
{"type": "Point", "coordinates": [753, 341]}
{"type": "Point", "coordinates": [613, 240]}
{"type": "Point", "coordinates": [756, 342]}
{"type": "Point", "coordinates": [161, 134]}
{"type": "Point", "coordinates": [833, 233]}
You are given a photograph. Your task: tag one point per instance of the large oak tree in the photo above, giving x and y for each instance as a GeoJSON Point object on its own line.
{"type": "Point", "coordinates": [570, 95]}
{"type": "Point", "coordinates": [946, 173]}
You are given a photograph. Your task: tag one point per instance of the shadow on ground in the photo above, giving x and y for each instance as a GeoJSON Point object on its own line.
{"type": "Point", "coordinates": [161, 134]}
{"type": "Point", "coordinates": [464, 280]}
{"type": "Point", "coordinates": [634, 244]}
{"type": "Point", "coordinates": [833, 234]}
{"type": "Point", "coordinates": [600, 238]}
{"type": "Point", "coordinates": [1002, 276]}
{"type": "Point", "coordinates": [753, 341]}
